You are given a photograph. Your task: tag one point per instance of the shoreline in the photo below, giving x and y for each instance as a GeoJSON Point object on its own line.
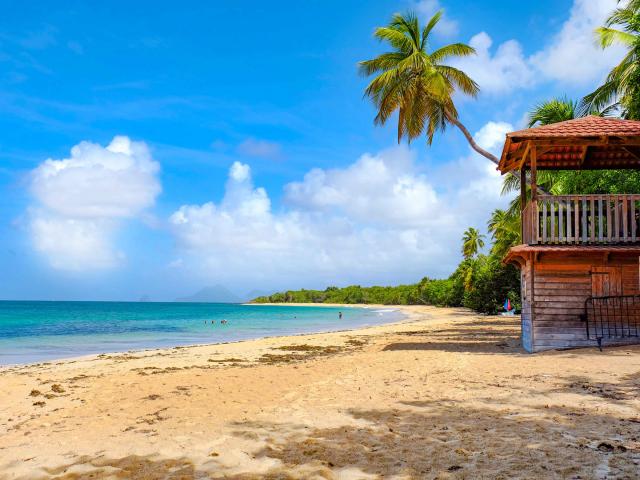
{"type": "Point", "coordinates": [152, 349]}
{"type": "Point", "coordinates": [445, 393]}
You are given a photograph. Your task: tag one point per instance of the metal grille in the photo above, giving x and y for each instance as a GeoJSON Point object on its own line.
{"type": "Point", "coordinates": [615, 317]}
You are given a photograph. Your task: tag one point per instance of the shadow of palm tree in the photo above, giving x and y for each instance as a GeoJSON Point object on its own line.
{"type": "Point", "coordinates": [477, 336]}
{"type": "Point", "coordinates": [433, 440]}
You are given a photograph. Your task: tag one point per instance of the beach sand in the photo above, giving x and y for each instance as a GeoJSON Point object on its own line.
{"type": "Point", "coordinates": [446, 394]}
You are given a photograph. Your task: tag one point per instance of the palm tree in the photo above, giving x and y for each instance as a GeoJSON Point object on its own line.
{"type": "Point", "coordinates": [505, 231]}
{"type": "Point", "coordinates": [622, 85]}
{"type": "Point", "coordinates": [552, 111]}
{"type": "Point", "coordinates": [472, 242]}
{"type": "Point", "coordinates": [416, 82]}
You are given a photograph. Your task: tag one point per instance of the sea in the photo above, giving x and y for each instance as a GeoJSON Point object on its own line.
{"type": "Point", "coordinates": [43, 331]}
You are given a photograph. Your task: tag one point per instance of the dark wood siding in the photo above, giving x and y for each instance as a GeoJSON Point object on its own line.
{"type": "Point", "coordinates": [561, 286]}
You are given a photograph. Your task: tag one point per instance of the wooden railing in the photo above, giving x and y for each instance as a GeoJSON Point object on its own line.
{"type": "Point", "coordinates": [582, 219]}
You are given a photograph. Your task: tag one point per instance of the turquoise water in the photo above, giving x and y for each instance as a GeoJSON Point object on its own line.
{"type": "Point", "coordinates": [41, 331]}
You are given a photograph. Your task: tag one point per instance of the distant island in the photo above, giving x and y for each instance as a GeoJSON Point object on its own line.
{"type": "Point", "coordinates": [220, 294]}
{"type": "Point", "coordinates": [213, 294]}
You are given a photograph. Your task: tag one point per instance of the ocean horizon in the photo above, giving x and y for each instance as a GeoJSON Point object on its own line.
{"type": "Point", "coordinates": [39, 331]}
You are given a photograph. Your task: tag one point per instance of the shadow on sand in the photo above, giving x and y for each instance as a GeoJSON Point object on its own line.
{"type": "Point", "coordinates": [426, 439]}
{"type": "Point", "coordinates": [484, 335]}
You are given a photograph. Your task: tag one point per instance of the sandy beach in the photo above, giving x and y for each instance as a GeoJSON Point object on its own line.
{"type": "Point", "coordinates": [444, 394]}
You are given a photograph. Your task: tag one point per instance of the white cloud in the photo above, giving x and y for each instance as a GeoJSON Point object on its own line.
{"type": "Point", "coordinates": [383, 188]}
{"type": "Point", "coordinates": [572, 55]}
{"type": "Point", "coordinates": [260, 148]}
{"type": "Point", "coordinates": [427, 8]}
{"type": "Point", "coordinates": [493, 135]}
{"type": "Point", "coordinates": [382, 218]}
{"type": "Point", "coordinates": [74, 244]}
{"type": "Point", "coordinates": [80, 200]}
{"type": "Point", "coordinates": [505, 70]}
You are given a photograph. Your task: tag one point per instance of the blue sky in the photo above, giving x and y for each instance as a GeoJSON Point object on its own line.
{"type": "Point", "coordinates": [245, 153]}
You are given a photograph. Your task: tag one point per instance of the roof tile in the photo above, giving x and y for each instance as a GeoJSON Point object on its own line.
{"type": "Point", "coordinates": [582, 127]}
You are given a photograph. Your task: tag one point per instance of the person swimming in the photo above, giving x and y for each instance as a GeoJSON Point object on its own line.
{"type": "Point", "coordinates": [340, 315]}
{"type": "Point", "coordinates": [223, 322]}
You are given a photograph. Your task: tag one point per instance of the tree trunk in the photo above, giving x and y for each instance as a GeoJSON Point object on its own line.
{"type": "Point", "coordinates": [470, 139]}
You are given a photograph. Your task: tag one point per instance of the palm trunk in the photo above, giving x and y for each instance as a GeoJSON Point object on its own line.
{"type": "Point", "coordinates": [470, 139]}
{"type": "Point", "coordinates": [481, 150]}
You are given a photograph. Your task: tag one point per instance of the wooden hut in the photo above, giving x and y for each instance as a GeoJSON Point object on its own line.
{"type": "Point", "coordinates": [580, 254]}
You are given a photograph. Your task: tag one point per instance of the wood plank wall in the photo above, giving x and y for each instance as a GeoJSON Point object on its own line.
{"type": "Point", "coordinates": [562, 284]}
{"type": "Point", "coordinates": [525, 316]}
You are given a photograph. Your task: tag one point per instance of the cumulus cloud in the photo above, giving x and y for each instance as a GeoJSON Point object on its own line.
{"type": "Point", "coordinates": [383, 188]}
{"type": "Point", "coordinates": [571, 56]}
{"type": "Point", "coordinates": [74, 244]}
{"type": "Point", "coordinates": [382, 218]}
{"type": "Point", "coordinates": [493, 135]}
{"type": "Point", "coordinates": [503, 71]}
{"type": "Point", "coordinates": [81, 199]}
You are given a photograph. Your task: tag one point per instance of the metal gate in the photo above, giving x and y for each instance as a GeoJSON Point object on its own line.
{"type": "Point", "coordinates": [612, 317]}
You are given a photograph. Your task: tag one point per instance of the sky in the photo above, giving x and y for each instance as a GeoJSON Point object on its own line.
{"type": "Point", "coordinates": [155, 148]}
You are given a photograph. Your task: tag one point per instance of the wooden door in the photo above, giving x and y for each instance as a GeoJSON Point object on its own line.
{"type": "Point", "coordinates": [606, 281]}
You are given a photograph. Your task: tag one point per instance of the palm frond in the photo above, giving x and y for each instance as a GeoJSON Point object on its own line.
{"type": "Point", "coordinates": [426, 31]}
{"type": "Point", "coordinates": [459, 79]}
{"type": "Point", "coordinates": [607, 36]}
{"type": "Point", "coordinates": [395, 37]}
{"type": "Point", "coordinates": [552, 111]}
{"type": "Point", "coordinates": [452, 50]}
{"type": "Point", "coordinates": [601, 98]}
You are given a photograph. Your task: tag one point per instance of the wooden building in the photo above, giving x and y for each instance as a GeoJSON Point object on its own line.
{"type": "Point", "coordinates": [580, 254]}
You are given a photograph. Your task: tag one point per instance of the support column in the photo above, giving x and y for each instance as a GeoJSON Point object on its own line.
{"type": "Point", "coordinates": [533, 213]}
{"type": "Point", "coordinates": [523, 202]}
{"type": "Point", "coordinates": [534, 173]}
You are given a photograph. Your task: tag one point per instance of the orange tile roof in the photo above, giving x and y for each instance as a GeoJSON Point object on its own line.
{"type": "Point", "coordinates": [582, 127]}
{"type": "Point", "coordinates": [583, 143]}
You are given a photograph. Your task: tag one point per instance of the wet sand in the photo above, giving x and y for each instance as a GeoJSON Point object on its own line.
{"type": "Point", "coordinates": [446, 394]}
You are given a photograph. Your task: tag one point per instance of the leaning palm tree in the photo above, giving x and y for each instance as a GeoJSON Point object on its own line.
{"type": "Point", "coordinates": [416, 82]}
{"type": "Point", "coordinates": [622, 85]}
{"type": "Point", "coordinates": [472, 242]}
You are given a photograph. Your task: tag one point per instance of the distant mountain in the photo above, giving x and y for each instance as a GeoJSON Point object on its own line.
{"type": "Point", "coordinates": [215, 294]}
{"type": "Point", "coordinates": [255, 294]}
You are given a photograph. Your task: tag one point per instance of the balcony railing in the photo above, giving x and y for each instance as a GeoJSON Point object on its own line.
{"type": "Point", "coordinates": [582, 219]}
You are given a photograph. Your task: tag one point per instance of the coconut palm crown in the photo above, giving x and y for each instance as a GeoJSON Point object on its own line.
{"type": "Point", "coordinates": [416, 82]}
{"type": "Point", "coordinates": [472, 242]}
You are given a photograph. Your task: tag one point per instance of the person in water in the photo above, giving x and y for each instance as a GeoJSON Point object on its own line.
{"type": "Point", "coordinates": [340, 315]}
{"type": "Point", "coordinates": [223, 322]}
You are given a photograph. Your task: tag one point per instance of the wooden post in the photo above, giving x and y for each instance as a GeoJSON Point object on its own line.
{"type": "Point", "coordinates": [534, 173]}
{"type": "Point", "coordinates": [534, 219]}
{"type": "Point", "coordinates": [523, 203]}
{"type": "Point", "coordinates": [523, 188]}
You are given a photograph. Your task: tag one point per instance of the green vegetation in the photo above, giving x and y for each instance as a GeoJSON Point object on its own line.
{"type": "Point", "coordinates": [416, 82]}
